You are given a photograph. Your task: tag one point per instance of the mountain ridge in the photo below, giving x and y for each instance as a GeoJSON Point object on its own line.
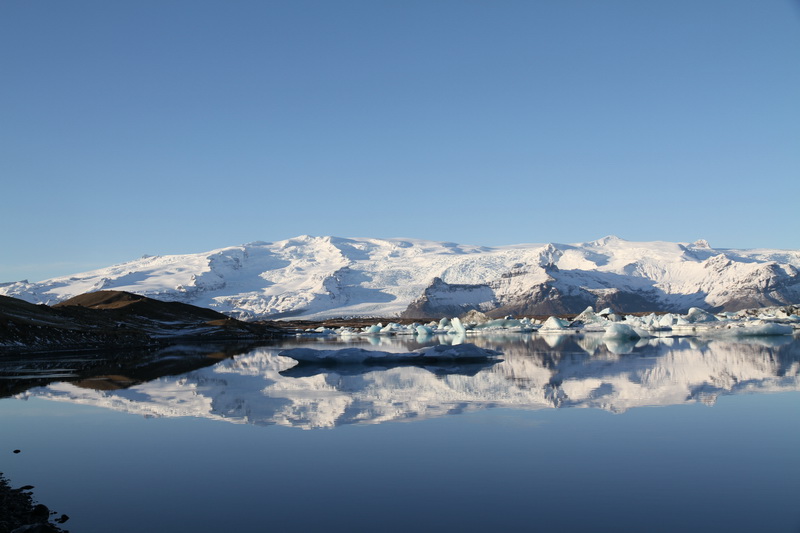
{"type": "Point", "coordinates": [316, 278]}
{"type": "Point", "coordinates": [116, 319]}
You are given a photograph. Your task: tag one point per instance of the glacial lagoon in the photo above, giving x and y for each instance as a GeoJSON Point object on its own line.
{"type": "Point", "coordinates": [565, 433]}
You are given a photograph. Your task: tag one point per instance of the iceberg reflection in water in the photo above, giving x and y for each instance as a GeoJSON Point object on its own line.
{"type": "Point", "coordinates": [537, 372]}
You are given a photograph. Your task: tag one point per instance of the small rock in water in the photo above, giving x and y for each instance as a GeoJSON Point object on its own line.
{"type": "Point", "coordinates": [17, 451]}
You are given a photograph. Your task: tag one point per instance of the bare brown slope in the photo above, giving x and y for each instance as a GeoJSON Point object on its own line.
{"type": "Point", "coordinates": [103, 300]}
{"type": "Point", "coordinates": [129, 303]}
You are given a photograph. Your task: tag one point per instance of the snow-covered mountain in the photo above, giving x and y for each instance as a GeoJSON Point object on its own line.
{"type": "Point", "coordinates": [322, 277]}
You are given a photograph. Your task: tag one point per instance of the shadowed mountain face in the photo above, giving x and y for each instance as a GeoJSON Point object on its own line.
{"type": "Point", "coordinates": [115, 319]}
{"type": "Point", "coordinates": [322, 277]}
{"type": "Point", "coordinates": [537, 372]}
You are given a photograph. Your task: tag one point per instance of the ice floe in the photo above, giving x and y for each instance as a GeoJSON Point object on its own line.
{"type": "Point", "coordinates": [432, 354]}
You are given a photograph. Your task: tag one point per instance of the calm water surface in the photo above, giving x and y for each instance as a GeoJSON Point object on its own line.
{"type": "Point", "coordinates": [565, 434]}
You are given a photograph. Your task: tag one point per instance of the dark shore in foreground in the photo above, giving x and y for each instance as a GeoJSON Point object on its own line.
{"type": "Point", "coordinates": [19, 512]}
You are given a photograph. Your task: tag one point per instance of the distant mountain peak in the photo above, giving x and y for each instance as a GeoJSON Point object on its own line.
{"type": "Point", "coordinates": [320, 277]}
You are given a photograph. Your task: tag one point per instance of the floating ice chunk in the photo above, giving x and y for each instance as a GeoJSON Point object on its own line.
{"type": "Point", "coordinates": [373, 330]}
{"type": "Point", "coordinates": [748, 329]}
{"type": "Point", "coordinates": [408, 329]}
{"type": "Point", "coordinates": [554, 323]}
{"type": "Point", "coordinates": [439, 354]}
{"type": "Point", "coordinates": [424, 331]}
{"type": "Point", "coordinates": [321, 330]}
{"type": "Point", "coordinates": [697, 315]}
{"type": "Point", "coordinates": [456, 327]}
{"type": "Point", "coordinates": [588, 316]}
{"type": "Point", "coordinates": [640, 321]}
{"type": "Point", "coordinates": [635, 321]}
{"type": "Point", "coordinates": [666, 321]}
{"type": "Point", "coordinates": [620, 332]}
{"type": "Point", "coordinates": [504, 324]}
{"type": "Point", "coordinates": [391, 327]}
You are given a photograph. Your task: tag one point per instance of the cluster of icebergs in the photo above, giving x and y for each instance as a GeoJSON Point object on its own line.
{"type": "Point", "coordinates": [696, 322]}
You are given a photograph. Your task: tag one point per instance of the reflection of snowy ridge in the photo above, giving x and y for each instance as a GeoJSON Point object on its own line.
{"type": "Point", "coordinates": [317, 277]}
{"type": "Point", "coordinates": [251, 389]}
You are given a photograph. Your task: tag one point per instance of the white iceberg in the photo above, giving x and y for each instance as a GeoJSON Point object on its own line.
{"type": "Point", "coordinates": [391, 327]}
{"type": "Point", "coordinates": [697, 316]}
{"type": "Point", "coordinates": [666, 321]}
{"type": "Point", "coordinates": [554, 324]}
{"type": "Point", "coordinates": [620, 331]}
{"type": "Point", "coordinates": [759, 328]}
{"type": "Point", "coordinates": [588, 316]}
{"type": "Point", "coordinates": [456, 327]}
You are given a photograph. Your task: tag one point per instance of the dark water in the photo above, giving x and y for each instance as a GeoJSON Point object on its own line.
{"type": "Point", "coordinates": [565, 434]}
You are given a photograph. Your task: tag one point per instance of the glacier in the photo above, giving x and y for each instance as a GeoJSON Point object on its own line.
{"type": "Point", "coordinates": [323, 277]}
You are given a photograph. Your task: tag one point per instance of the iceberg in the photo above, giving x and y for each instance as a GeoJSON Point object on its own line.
{"type": "Point", "coordinates": [697, 315]}
{"type": "Point", "coordinates": [588, 316]}
{"type": "Point", "coordinates": [441, 353]}
{"type": "Point", "coordinates": [456, 327]}
{"type": "Point", "coordinates": [666, 321]}
{"type": "Point", "coordinates": [554, 324]}
{"type": "Point", "coordinates": [617, 331]}
{"type": "Point", "coordinates": [759, 329]}
{"type": "Point", "coordinates": [424, 331]}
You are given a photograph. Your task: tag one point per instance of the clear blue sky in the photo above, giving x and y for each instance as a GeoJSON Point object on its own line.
{"type": "Point", "coordinates": [157, 127]}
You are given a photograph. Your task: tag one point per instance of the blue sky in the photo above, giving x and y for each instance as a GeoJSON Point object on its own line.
{"type": "Point", "coordinates": [153, 127]}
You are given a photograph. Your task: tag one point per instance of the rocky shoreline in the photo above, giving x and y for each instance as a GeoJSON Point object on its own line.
{"type": "Point", "coordinates": [20, 513]}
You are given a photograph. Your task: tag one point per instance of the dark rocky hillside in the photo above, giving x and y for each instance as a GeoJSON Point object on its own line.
{"type": "Point", "coordinates": [116, 319]}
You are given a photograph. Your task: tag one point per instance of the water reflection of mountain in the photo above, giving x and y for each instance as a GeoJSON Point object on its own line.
{"type": "Point", "coordinates": [109, 369]}
{"type": "Point", "coordinates": [538, 372]}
